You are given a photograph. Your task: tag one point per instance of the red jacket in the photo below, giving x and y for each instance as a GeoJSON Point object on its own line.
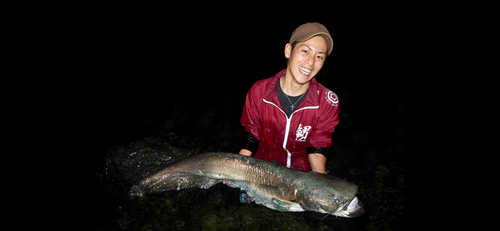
{"type": "Point", "coordinates": [311, 125]}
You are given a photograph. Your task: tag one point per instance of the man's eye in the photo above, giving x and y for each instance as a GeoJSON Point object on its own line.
{"type": "Point", "coordinates": [305, 51]}
{"type": "Point", "coordinates": [320, 57]}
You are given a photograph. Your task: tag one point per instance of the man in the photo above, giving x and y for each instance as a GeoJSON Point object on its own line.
{"type": "Point", "coordinates": [290, 117]}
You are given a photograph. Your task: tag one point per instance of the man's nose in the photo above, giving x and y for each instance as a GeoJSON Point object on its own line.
{"type": "Point", "coordinates": [310, 60]}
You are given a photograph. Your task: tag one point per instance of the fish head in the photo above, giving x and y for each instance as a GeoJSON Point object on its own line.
{"type": "Point", "coordinates": [332, 196]}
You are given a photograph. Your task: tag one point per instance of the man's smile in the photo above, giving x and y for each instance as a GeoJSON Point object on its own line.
{"type": "Point", "coordinates": [305, 71]}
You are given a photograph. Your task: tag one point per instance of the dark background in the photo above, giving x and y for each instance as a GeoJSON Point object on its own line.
{"type": "Point", "coordinates": [149, 66]}
{"type": "Point", "coordinates": [188, 74]}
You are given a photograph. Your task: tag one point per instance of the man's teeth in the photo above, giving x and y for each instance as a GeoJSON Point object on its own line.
{"type": "Point", "coordinates": [305, 71]}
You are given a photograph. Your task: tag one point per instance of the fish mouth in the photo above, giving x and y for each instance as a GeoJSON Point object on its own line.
{"type": "Point", "coordinates": [353, 209]}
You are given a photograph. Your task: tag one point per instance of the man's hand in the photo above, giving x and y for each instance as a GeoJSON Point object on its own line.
{"type": "Point", "coordinates": [245, 152]}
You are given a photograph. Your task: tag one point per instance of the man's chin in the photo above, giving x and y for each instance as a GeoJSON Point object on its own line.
{"type": "Point", "coordinates": [303, 80]}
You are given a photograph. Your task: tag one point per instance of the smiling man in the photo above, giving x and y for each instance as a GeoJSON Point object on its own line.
{"type": "Point", "coordinates": [290, 117]}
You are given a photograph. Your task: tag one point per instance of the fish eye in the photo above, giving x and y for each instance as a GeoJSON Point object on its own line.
{"type": "Point", "coordinates": [337, 201]}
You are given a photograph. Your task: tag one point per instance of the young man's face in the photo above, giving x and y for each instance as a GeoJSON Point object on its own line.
{"type": "Point", "coordinates": [307, 59]}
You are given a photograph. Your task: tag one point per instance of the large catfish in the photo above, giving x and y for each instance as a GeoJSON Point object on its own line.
{"type": "Point", "coordinates": [267, 183]}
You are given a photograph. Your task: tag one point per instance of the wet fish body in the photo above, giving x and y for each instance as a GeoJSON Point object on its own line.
{"type": "Point", "coordinates": [268, 183]}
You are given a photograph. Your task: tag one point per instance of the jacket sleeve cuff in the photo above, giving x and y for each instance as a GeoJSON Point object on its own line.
{"type": "Point", "coordinates": [251, 143]}
{"type": "Point", "coordinates": [323, 151]}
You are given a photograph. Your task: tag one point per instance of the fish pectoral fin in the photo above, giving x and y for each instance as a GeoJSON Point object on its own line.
{"type": "Point", "coordinates": [286, 206]}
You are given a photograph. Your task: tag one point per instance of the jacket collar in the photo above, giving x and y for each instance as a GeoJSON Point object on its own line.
{"type": "Point", "coordinates": [312, 97]}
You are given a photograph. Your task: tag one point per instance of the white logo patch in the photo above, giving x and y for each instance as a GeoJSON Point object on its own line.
{"type": "Point", "coordinates": [332, 98]}
{"type": "Point", "coordinates": [302, 133]}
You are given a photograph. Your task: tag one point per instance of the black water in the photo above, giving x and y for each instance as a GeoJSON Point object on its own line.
{"type": "Point", "coordinates": [190, 95]}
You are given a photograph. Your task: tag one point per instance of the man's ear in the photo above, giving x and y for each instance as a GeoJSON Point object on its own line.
{"type": "Point", "coordinates": [288, 50]}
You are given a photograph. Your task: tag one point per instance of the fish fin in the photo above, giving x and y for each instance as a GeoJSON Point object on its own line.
{"type": "Point", "coordinates": [330, 175]}
{"type": "Point", "coordinates": [235, 184]}
{"type": "Point", "coordinates": [287, 206]}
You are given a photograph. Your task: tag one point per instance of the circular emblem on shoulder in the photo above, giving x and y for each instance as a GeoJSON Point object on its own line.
{"type": "Point", "coordinates": [332, 98]}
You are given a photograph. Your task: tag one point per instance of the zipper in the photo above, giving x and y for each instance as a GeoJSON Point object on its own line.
{"type": "Point", "coordinates": [287, 129]}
